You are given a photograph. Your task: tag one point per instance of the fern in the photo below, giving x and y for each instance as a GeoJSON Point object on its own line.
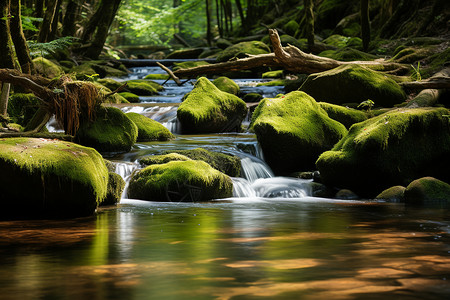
{"type": "Point", "coordinates": [27, 23]}
{"type": "Point", "coordinates": [50, 48]}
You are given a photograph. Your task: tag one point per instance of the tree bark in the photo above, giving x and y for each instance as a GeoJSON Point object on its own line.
{"type": "Point", "coordinates": [6, 50]}
{"type": "Point", "coordinates": [309, 17]}
{"type": "Point", "coordinates": [208, 22]}
{"type": "Point", "coordinates": [54, 27]}
{"type": "Point", "coordinates": [20, 43]}
{"type": "Point", "coordinates": [70, 18]}
{"type": "Point", "coordinates": [241, 15]}
{"type": "Point", "coordinates": [365, 24]}
{"type": "Point", "coordinates": [46, 26]}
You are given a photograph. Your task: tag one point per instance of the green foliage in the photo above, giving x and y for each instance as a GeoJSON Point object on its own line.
{"type": "Point", "coordinates": [52, 47]}
{"type": "Point", "coordinates": [366, 105]}
{"type": "Point", "coordinates": [416, 75]}
{"type": "Point", "coordinates": [27, 23]}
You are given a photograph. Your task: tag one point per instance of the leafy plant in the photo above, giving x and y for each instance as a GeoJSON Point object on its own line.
{"type": "Point", "coordinates": [366, 105]}
{"type": "Point", "coordinates": [50, 48]}
{"type": "Point", "coordinates": [416, 72]}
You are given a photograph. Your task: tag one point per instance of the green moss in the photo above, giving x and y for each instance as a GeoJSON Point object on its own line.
{"type": "Point", "coordinates": [293, 131]}
{"type": "Point", "coordinates": [228, 164]}
{"type": "Point", "coordinates": [207, 109]}
{"type": "Point", "coordinates": [390, 149]}
{"type": "Point", "coordinates": [353, 83]}
{"type": "Point", "coordinates": [83, 71]}
{"type": "Point", "coordinates": [411, 55]}
{"type": "Point", "coordinates": [242, 50]}
{"type": "Point", "coordinates": [347, 54]}
{"type": "Point", "coordinates": [157, 76]}
{"type": "Point", "coordinates": [116, 185]}
{"type": "Point", "coordinates": [437, 62]}
{"type": "Point", "coordinates": [162, 159]}
{"type": "Point", "coordinates": [110, 83]}
{"type": "Point", "coordinates": [189, 64]}
{"type": "Point", "coordinates": [337, 41]}
{"type": "Point", "coordinates": [130, 97]}
{"type": "Point", "coordinates": [180, 181]}
{"type": "Point", "coordinates": [429, 192]}
{"type": "Point", "coordinates": [212, 53]}
{"type": "Point", "coordinates": [103, 91]}
{"type": "Point", "coordinates": [291, 27]}
{"type": "Point", "coordinates": [185, 53]}
{"type": "Point", "coordinates": [225, 84]}
{"type": "Point", "coordinates": [223, 43]}
{"type": "Point", "coordinates": [148, 129]}
{"type": "Point", "coordinates": [112, 131]}
{"type": "Point", "coordinates": [47, 68]}
{"type": "Point", "coordinates": [273, 74]}
{"type": "Point", "coordinates": [278, 82]}
{"type": "Point", "coordinates": [393, 194]}
{"type": "Point", "coordinates": [22, 107]}
{"type": "Point", "coordinates": [50, 178]}
{"type": "Point", "coordinates": [344, 115]}
{"type": "Point", "coordinates": [252, 97]}
{"type": "Point", "coordinates": [287, 40]}
{"type": "Point", "coordinates": [143, 87]}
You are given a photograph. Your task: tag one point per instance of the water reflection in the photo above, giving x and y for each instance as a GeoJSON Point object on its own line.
{"type": "Point", "coordinates": [277, 249]}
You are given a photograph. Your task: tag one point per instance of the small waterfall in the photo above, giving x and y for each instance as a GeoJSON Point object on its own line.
{"type": "Point", "coordinates": [166, 115]}
{"type": "Point", "coordinates": [276, 187]}
{"type": "Point", "coordinates": [242, 188]}
{"type": "Point", "coordinates": [53, 126]}
{"type": "Point", "coordinates": [125, 170]}
{"type": "Point", "coordinates": [254, 169]}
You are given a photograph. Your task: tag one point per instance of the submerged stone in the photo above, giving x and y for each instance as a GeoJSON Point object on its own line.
{"type": "Point", "coordinates": [242, 50]}
{"type": "Point", "coordinates": [206, 109]}
{"type": "Point", "coordinates": [388, 150]}
{"type": "Point", "coordinates": [112, 131]}
{"type": "Point", "coordinates": [353, 83]}
{"type": "Point", "coordinates": [148, 129]}
{"type": "Point", "coordinates": [180, 181]}
{"type": "Point", "coordinates": [42, 178]}
{"type": "Point", "coordinates": [293, 131]}
{"type": "Point", "coordinates": [225, 84]}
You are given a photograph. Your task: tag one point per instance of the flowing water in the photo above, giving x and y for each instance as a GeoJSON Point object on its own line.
{"type": "Point", "coordinates": [272, 240]}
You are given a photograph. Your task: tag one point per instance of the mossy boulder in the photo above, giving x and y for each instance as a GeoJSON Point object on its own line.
{"type": "Point", "coordinates": [276, 82]}
{"type": "Point", "coordinates": [22, 107]}
{"type": "Point", "coordinates": [429, 192]}
{"type": "Point", "coordinates": [177, 181]}
{"type": "Point", "coordinates": [84, 71]}
{"type": "Point", "coordinates": [228, 164]}
{"type": "Point", "coordinates": [112, 131]}
{"type": "Point", "coordinates": [347, 54]}
{"type": "Point", "coordinates": [162, 159]}
{"type": "Point", "coordinates": [223, 43]}
{"type": "Point", "coordinates": [110, 83]}
{"type": "Point", "coordinates": [130, 97]}
{"type": "Point", "coordinates": [390, 149]}
{"type": "Point", "coordinates": [344, 115]}
{"type": "Point", "coordinates": [42, 178]}
{"type": "Point", "coordinates": [393, 194]}
{"type": "Point", "coordinates": [291, 27]}
{"type": "Point", "coordinates": [106, 95]}
{"type": "Point", "coordinates": [148, 129]}
{"type": "Point", "coordinates": [273, 74]}
{"type": "Point", "coordinates": [143, 87]}
{"type": "Point", "coordinates": [293, 131]}
{"type": "Point", "coordinates": [116, 185]}
{"type": "Point", "coordinates": [47, 68]}
{"type": "Point", "coordinates": [185, 53]}
{"type": "Point", "coordinates": [242, 50]}
{"type": "Point", "coordinates": [189, 64]}
{"type": "Point", "coordinates": [225, 84]}
{"type": "Point", "coordinates": [157, 76]}
{"type": "Point", "coordinates": [353, 83]}
{"type": "Point", "coordinates": [206, 109]}
{"type": "Point", "coordinates": [252, 97]}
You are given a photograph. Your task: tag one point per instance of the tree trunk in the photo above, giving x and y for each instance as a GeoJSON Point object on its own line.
{"type": "Point", "coordinates": [241, 15]}
{"type": "Point", "coordinates": [309, 17]}
{"type": "Point", "coordinates": [6, 53]}
{"type": "Point", "coordinates": [365, 24]}
{"type": "Point", "coordinates": [108, 14]}
{"type": "Point", "coordinates": [219, 18]}
{"type": "Point", "coordinates": [54, 27]}
{"type": "Point", "coordinates": [208, 22]}
{"type": "Point", "coordinates": [70, 18]}
{"type": "Point", "coordinates": [93, 23]}
{"type": "Point", "coordinates": [20, 44]}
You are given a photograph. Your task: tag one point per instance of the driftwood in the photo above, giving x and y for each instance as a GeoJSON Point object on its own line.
{"type": "Point", "coordinates": [290, 58]}
{"type": "Point", "coordinates": [169, 71]}
{"type": "Point", "coordinates": [432, 89]}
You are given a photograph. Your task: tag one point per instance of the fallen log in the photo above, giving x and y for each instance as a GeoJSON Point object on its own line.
{"type": "Point", "coordinates": [432, 89]}
{"type": "Point", "coordinates": [289, 58]}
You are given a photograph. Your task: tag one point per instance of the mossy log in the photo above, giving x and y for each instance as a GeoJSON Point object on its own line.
{"type": "Point", "coordinates": [290, 58]}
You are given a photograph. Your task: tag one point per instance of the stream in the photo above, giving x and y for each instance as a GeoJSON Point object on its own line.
{"type": "Point", "coordinates": [271, 240]}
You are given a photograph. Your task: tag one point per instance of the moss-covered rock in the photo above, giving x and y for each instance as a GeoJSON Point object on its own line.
{"type": "Point", "coordinates": [353, 83]}
{"type": "Point", "coordinates": [347, 54]}
{"type": "Point", "coordinates": [112, 131]}
{"type": "Point", "coordinates": [344, 115]}
{"type": "Point", "coordinates": [393, 194]}
{"type": "Point", "coordinates": [106, 95]}
{"type": "Point", "coordinates": [410, 55]}
{"type": "Point", "coordinates": [429, 192]}
{"type": "Point", "coordinates": [207, 109]}
{"type": "Point", "coordinates": [293, 131]}
{"type": "Point", "coordinates": [84, 71]}
{"type": "Point", "coordinates": [225, 84]}
{"type": "Point", "coordinates": [47, 68]}
{"type": "Point", "coordinates": [242, 50]}
{"type": "Point", "coordinates": [148, 129]}
{"type": "Point", "coordinates": [291, 27]}
{"type": "Point", "coordinates": [287, 40]}
{"type": "Point", "coordinates": [157, 76]}
{"type": "Point", "coordinates": [273, 74]}
{"type": "Point", "coordinates": [223, 43]}
{"type": "Point", "coordinates": [252, 97]}
{"type": "Point", "coordinates": [130, 97]}
{"type": "Point", "coordinates": [162, 159]}
{"type": "Point", "coordinates": [22, 107]}
{"type": "Point", "coordinates": [110, 83]}
{"type": "Point", "coordinates": [228, 164]}
{"type": "Point", "coordinates": [185, 53]}
{"type": "Point", "coordinates": [116, 185]}
{"type": "Point", "coordinates": [340, 41]}
{"type": "Point", "coordinates": [143, 87]}
{"type": "Point", "coordinates": [177, 181]}
{"type": "Point", "coordinates": [42, 178]}
{"type": "Point", "coordinates": [276, 82]}
{"type": "Point", "coordinates": [391, 149]}
{"type": "Point", "coordinates": [189, 64]}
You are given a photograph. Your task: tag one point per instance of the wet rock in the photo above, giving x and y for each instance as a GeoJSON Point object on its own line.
{"type": "Point", "coordinates": [162, 159]}
{"type": "Point", "coordinates": [353, 83]}
{"type": "Point", "coordinates": [388, 150]}
{"type": "Point", "coordinates": [252, 97]}
{"type": "Point", "coordinates": [346, 194]}
{"type": "Point", "coordinates": [223, 43]}
{"type": "Point", "coordinates": [47, 68]}
{"type": "Point", "coordinates": [429, 192]}
{"type": "Point", "coordinates": [143, 87]}
{"type": "Point", "coordinates": [180, 181]}
{"type": "Point", "coordinates": [242, 50]}
{"type": "Point", "coordinates": [148, 129]}
{"type": "Point", "coordinates": [206, 109]}
{"type": "Point", "coordinates": [293, 131]}
{"type": "Point", "coordinates": [116, 185]}
{"type": "Point", "coordinates": [112, 131]}
{"type": "Point", "coordinates": [344, 115]}
{"type": "Point", "coordinates": [130, 97]}
{"type": "Point", "coordinates": [225, 84]}
{"type": "Point", "coordinates": [322, 191]}
{"type": "Point", "coordinates": [273, 74]}
{"type": "Point", "coordinates": [42, 178]}
{"type": "Point", "coordinates": [393, 194]}
{"type": "Point", "coordinates": [185, 53]}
